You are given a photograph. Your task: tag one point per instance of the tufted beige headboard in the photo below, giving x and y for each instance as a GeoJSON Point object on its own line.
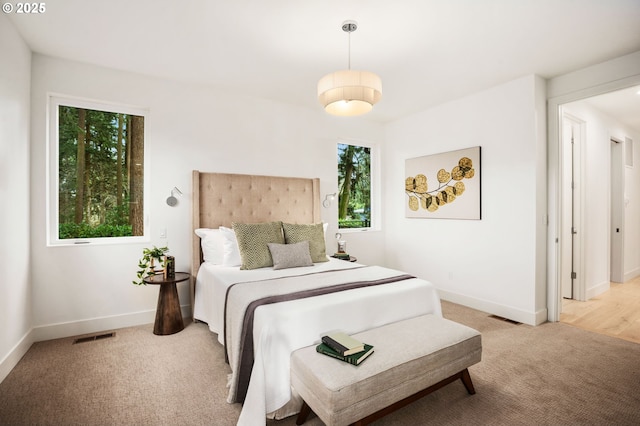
{"type": "Point", "coordinates": [222, 198]}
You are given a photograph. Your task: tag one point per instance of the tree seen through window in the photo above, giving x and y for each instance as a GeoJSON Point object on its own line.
{"type": "Point", "coordinates": [100, 173]}
{"type": "Point", "coordinates": [354, 186]}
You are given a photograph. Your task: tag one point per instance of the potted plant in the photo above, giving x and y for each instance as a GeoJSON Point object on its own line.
{"type": "Point", "coordinates": [147, 264]}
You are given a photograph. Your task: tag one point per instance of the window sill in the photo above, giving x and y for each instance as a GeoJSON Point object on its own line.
{"type": "Point", "coordinates": [98, 241]}
{"type": "Point", "coordinates": [357, 230]}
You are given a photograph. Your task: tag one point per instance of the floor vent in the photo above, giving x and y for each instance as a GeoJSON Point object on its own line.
{"type": "Point", "coordinates": [94, 338]}
{"type": "Point", "coordinates": [505, 319]}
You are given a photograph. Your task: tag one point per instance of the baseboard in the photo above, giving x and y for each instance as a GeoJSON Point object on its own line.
{"type": "Point", "coordinates": [531, 318]}
{"type": "Point", "coordinates": [598, 289]}
{"type": "Point", "coordinates": [93, 325]}
{"type": "Point", "coordinates": [15, 355]}
{"type": "Point", "coordinates": [635, 273]}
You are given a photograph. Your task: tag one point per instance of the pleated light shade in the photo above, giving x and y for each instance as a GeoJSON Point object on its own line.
{"type": "Point", "coordinates": [349, 92]}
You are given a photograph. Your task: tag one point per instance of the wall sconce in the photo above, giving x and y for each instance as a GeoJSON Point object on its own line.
{"type": "Point", "coordinates": [172, 200]}
{"type": "Point", "coordinates": [328, 199]}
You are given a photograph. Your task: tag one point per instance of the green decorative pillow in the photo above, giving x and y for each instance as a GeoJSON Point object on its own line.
{"type": "Point", "coordinates": [313, 233]}
{"type": "Point", "coordinates": [290, 255]}
{"type": "Point", "coordinates": [252, 242]}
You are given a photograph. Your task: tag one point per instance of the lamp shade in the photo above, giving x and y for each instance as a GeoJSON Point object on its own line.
{"type": "Point", "coordinates": [349, 92]}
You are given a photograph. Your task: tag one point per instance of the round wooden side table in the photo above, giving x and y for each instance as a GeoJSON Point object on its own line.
{"type": "Point", "coordinates": [168, 313]}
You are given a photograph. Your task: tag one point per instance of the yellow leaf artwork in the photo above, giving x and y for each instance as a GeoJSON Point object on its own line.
{"type": "Point", "coordinates": [425, 194]}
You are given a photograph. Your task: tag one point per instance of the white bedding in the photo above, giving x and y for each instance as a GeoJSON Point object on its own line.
{"type": "Point", "coordinates": [281, 328]}
{"type": "Point", "coordinates": [213, 280]}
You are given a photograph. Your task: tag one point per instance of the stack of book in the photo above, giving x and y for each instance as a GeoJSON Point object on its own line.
{"type": "Point", "coordinates": [343, 256]}
{"type": "Point", "coordinates": [345, 348]}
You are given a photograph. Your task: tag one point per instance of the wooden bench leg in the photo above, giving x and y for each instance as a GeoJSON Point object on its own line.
{"type": "Point", "coordinates": [304, 413]}
{"type": "Point", "coordinates": [466, 381]}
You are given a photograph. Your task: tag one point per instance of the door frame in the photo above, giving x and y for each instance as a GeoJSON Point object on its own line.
{"type": "Point", "coordinates": [554, 190]}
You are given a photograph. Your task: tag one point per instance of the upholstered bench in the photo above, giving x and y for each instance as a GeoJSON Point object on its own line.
{"type": "Point", "coordinates": [411, 359]}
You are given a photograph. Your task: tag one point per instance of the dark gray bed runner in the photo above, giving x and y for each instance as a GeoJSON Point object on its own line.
{"type": "Point", "coordinates": [246, 338]}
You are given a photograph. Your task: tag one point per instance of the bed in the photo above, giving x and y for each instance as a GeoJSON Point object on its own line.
{"type": "Point", "coordinates": [262, 314]}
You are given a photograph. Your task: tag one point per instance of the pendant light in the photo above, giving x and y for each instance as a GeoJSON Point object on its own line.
{"type": "Point", "coordinates": [349, 92]}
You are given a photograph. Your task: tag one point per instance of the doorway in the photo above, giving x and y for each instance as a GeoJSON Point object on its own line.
{"type": "Point", "coordinates": [592, 185]}
{"type": "Point", "coordinates": [558, 240]}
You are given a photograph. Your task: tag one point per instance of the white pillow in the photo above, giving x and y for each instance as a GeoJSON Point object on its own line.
{"type": "Point", "coordinates": [231, 252]}
{"type": "Point", "coordinates": [211, 241]}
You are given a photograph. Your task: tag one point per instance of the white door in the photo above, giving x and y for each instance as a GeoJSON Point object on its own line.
{"type": "Point", "coordinates": [617, 212]}
{"type": "Point", "coordinates": [572, 271]}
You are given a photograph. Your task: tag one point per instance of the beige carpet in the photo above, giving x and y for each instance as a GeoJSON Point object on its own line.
{"type": "Point", "coordinates": [552, 374]}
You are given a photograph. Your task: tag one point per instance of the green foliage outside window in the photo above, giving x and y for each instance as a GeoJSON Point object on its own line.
{"type": "Point", "coordinates": [354, 186]}
{"type": "Point", "coordinates": [100, 173]}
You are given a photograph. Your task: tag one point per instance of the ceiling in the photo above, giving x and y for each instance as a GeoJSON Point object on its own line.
{"type": "Point", "coordinates": [426, 51]}
{"type": "Point", "coordinates": [623, 105]}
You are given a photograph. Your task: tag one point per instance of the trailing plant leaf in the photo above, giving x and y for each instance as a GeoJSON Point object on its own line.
{"type": "Point", "coordinates": [149, 255]}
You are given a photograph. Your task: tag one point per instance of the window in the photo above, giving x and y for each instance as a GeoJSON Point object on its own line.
{"type": "Point", "coordinates": [354, 186]}
{"type": "Point", "coordinates": [97, 182]}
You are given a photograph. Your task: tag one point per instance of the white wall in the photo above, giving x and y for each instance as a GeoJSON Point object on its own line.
{"type": "Point", "coordinates": [494, 264]}
{"type": "Point", "coordinates": [15, 287]}
{"type": "Point", "coordinates": [88, 288]}
{"type": "Point", "coordinates": [632, 207]}
{"type": "Point", "coordinates": [600, 128]}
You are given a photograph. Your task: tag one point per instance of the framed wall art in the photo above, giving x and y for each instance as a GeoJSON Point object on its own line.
{"type": "Point", "coordinates": [444, 186]}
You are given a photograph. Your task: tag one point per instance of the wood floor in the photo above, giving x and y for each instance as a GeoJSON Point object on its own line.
{"type": "Point", "coordinates": [614, 313]}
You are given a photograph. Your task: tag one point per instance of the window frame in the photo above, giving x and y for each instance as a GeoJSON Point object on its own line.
{"type": "Point", "coordinates": [375, 192]}
{"type": "Point", "coordinates": [54, 100]}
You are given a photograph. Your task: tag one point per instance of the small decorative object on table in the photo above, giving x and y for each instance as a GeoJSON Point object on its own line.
{"type": "Point", "coordinates": [170, 267]}
{"type": "Point", "coordinates": [343, 256]}
{"type": "Point", "coordinates": [342, 248]}
{"type": "Point", "coordinates": [146, 264]}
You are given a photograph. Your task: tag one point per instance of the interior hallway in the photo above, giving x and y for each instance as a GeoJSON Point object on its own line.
{"type": "Point", "coordinates": [614, 313]}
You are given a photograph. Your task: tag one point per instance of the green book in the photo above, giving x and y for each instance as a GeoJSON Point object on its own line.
{"type": "Point", "coordinates": [343, 343]}
{"type": "Point", "coordinates": [354, 359]}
